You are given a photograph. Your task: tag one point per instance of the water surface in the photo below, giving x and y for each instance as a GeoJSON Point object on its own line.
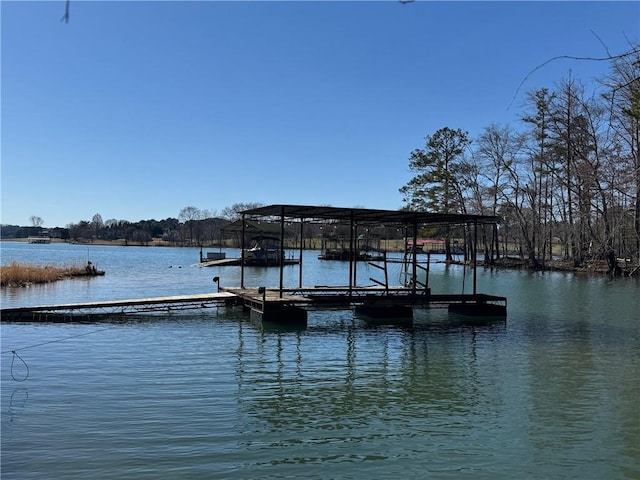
{"type": "Point", "coordinates": [553, 392]}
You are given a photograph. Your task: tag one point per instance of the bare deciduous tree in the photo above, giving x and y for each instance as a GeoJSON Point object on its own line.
{"type": "Point", "coordinates": [36, 221]}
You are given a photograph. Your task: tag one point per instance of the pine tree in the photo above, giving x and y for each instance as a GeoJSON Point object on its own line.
{"type": "Point", "coordinates": [435, 187]}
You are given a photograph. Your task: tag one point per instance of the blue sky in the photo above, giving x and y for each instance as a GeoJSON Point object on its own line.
{"type": "Point", "coordinates": [135, 110]}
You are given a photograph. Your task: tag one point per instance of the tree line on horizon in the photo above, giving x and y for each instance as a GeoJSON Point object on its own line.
{"type": "Point", "coordinates": [565, 183]}
{"type": "Point", "coordinates": [192, 227]}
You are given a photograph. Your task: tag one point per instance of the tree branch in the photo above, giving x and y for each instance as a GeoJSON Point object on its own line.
{"type": "Point", "coordinates": [65, 17]}
{"type": "Point", "coordinates": [570, 57]}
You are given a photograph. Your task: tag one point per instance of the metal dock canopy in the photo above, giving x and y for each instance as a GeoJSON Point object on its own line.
{"type": "Point", "coordinates": [366, 215]}
{"type": "Point", "coordinates": [356, 217]}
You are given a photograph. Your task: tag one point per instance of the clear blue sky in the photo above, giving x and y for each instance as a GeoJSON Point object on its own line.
{"type": "Point", "coordinates": [134, 110]}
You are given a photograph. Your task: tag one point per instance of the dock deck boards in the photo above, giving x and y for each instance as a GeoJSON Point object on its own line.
{"type": "Point", "coordinates": [340, 296]}
{"type": "Point", "coordinates": [118, 307]}
{"type": "Point", "coordinates": [231, 262]}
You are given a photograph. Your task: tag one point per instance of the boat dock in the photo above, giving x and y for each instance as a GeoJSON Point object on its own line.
{"type": "Point", "coordinates": [289, 305]}
{"type": "Point", "coordinates": [234, 262]}
{"type": "Point", "coordinates": [285, 304]}
{"type": "Point", "coordinates": [259, 300]}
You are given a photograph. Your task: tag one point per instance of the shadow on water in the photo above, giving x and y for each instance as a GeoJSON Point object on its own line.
{"type": "Point", "coordinates": [275, 327]}
{"type": "Point", "coordinates": [358, 392]}
{"type": "Point", "coordinates": [437, 320]}
{"type": "Point", "coordinates": [17, 402]}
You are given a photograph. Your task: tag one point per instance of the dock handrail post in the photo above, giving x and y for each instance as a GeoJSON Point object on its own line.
{"type": "Point", "coordinates": [415, 256]}
{"type": "Point", "coordinates": [426, 283]}
{"type": "Point", "coordinates": [386, 271]}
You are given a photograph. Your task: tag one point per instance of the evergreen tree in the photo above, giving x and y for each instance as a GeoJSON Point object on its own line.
{"type": "Point", "coordinates": [435, 187]}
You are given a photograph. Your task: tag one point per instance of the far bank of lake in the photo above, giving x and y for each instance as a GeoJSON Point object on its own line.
{"type": "Point", "coordinates": [596, 267]}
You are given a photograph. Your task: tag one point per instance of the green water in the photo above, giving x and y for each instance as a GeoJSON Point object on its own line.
{"type": "Point", "coordinates": [553, 392]}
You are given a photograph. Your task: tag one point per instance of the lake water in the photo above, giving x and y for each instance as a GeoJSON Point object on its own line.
{"type": "Point", "coordinates": [553, 392]}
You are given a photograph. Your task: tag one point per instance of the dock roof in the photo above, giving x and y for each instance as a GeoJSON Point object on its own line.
{"type": "Point", "coordinates": [367, 215]}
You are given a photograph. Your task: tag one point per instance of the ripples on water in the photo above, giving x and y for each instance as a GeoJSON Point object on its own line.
{"type": "Point", "coordinates": [551, 393]}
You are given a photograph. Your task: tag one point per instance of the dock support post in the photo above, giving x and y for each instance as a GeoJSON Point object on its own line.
{"type": "Point", "coordinates": [242, 247]}
{"type": "Point", "coordinates": [475, 255]}
{"type": "Point", "coordinates": [351, 253]}
{"type": "Point", "coordinates": [300, 252]}
{"type": "Point", "coordinates": [281, 250]}
{"type": "Point", "coordinates": [356, 254]}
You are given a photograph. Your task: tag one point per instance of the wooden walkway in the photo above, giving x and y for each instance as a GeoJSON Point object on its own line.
{"type": "Point", "coordinates": [319, 297]}
{"type": "Point", "coordinates": [109, 308]}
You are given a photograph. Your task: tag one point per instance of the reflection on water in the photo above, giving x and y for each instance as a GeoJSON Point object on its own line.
{"type": "Point", "coordinates": [550, 393]}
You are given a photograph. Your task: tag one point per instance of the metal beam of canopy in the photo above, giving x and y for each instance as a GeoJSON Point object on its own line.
{"type": "Point", "coordinates": [366, 215]}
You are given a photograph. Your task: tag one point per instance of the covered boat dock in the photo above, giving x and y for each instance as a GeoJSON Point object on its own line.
{"type": "Point", "coordinates": [288, 303]}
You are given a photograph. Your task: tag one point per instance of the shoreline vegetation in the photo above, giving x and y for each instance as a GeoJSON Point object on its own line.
{"type": "Point", "coordinates": [22, 275]}
{"type": "Point", "coordinates": [16, 274]}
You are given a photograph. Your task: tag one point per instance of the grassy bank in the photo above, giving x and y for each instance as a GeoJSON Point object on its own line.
{"type": "Point", "coordinates": [20, 275]}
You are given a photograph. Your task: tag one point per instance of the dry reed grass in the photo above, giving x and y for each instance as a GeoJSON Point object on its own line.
{"type": "Point", "coordinates": [20, 275]}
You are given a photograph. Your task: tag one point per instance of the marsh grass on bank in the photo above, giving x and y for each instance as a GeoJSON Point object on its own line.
{"type": "Point", "coordinates": [20, 275]}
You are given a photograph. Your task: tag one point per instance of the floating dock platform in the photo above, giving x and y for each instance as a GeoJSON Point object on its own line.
{"type": "Point", "coordinates": [232, 262]}
{"type": "Point", "coordinates": [91, 311]}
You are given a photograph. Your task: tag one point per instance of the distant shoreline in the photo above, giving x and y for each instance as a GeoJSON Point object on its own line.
{"type": "Point", "coordinates": [597, 267]}
{"type": "Point", "coordinates": [114, 243]}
